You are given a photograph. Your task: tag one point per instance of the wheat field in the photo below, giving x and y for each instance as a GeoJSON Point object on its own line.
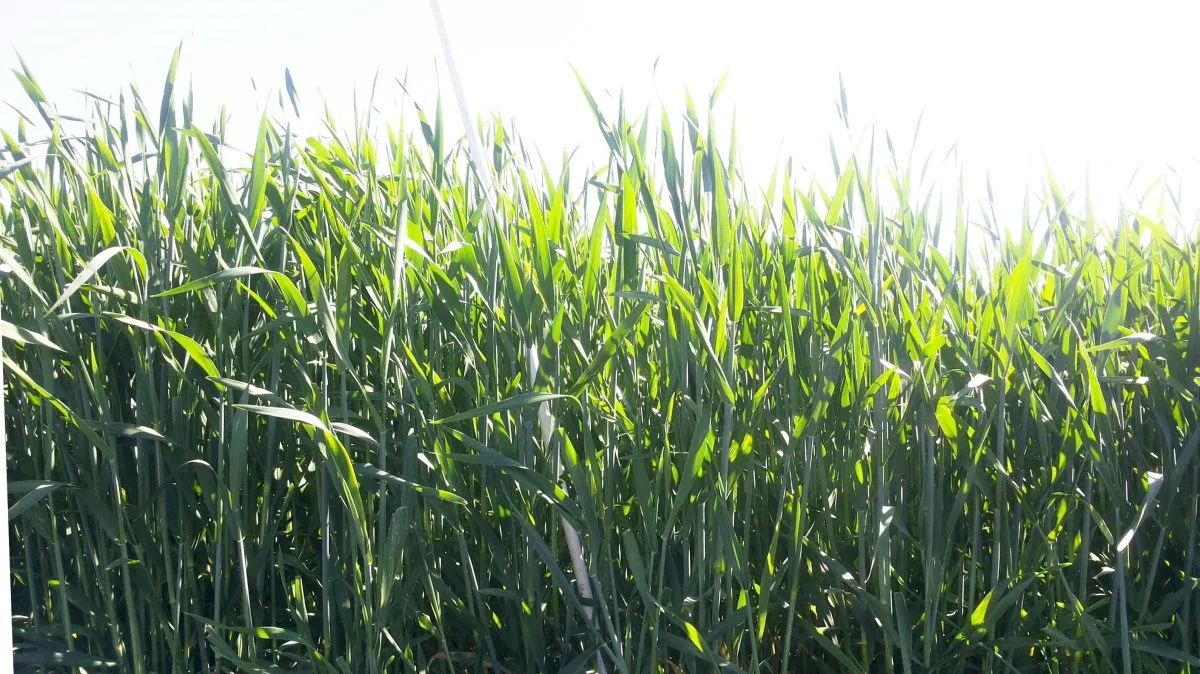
{"type": "Point", "coordinates": [329, 406]}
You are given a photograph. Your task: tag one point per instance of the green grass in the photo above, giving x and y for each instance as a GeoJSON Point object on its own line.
{"type": "Point", "coordinates": [326, 408]}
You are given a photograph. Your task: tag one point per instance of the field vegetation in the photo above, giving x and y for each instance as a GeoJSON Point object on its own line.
{"type": "Point", "coordinates": [332, 406]}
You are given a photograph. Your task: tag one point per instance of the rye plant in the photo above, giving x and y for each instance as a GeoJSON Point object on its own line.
{"type": "Point", "coordinates": [325, 406]}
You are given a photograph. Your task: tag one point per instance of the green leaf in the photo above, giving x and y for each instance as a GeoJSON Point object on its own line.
{"type": "Point", "coordinates": [223, 275]}
{"type": "Point", "coordinates": [834, 215]}
{"type": "Point", "coordinates": [287, 414]}
{"type": "Point", "coordinates": [92, 267]}
{"type": "Point", "coordinates": [1154, 482]}
{"type": "Point", "coordinates": [21, 335]}
{"type": "Point", "coordinates": [609, 349]}
{"type": "Point", "coordinates": [291, 91]}
{"type": "Point", "coordinates": [257, 189]}
{"type": "Point", "coordinates": [12, 167]}
{"type": "Point", "coordinates": [1127, 340]}
{"type": "Point", "coordinates": [946, 421]}
{"type": "Point", "coordinates": [517, 401]}
{"type": "Point", "coordinates": [165, 114]}
{"type": "Point", "coordinates": [367, 470]}
{"type": "Point", "coordinates": [694, 636]}
{"type": "Point", "coordinates": [32, 498]}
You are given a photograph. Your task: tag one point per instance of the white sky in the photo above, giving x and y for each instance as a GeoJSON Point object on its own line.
{"type": "Point", "coordinates": [1110, 86]}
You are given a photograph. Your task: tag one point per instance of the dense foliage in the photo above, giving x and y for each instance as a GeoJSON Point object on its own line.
{"type": "Point", "coordinates": [333, 407]}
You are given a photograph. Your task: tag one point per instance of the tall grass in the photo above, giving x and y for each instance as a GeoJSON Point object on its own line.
{"type": "Point", "coordinates": [330, 412]}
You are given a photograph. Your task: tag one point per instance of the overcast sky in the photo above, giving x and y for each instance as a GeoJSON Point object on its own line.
{"type": "Point", "coordinates": [1084, 84]}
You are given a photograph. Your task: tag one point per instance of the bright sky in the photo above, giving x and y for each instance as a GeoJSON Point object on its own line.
{"type": "Point", "coordinates": [1086, 84]}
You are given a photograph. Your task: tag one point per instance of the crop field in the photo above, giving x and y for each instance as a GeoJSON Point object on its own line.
{"type": "Point", "coordinates": [331, 405]}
